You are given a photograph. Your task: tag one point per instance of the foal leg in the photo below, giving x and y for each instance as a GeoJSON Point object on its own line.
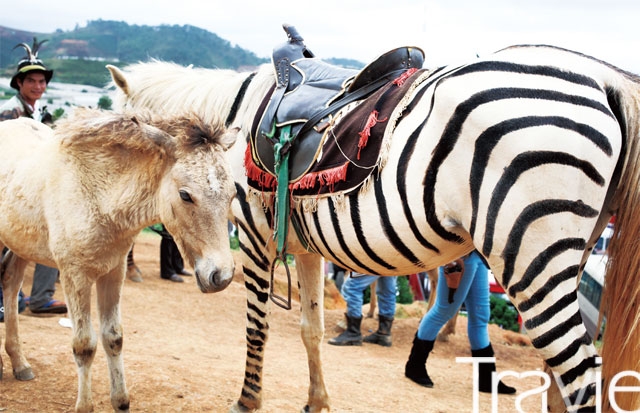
{"type": "Point", "coordinates": [109, 289]}
{"type": "Point", "coordinates": [311, 282]}
{"type": "Point", "coordinates": [11, 283]}
{"type": "Point", "coordinates": [77, 291]}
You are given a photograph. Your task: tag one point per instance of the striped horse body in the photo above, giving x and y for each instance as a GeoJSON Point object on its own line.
{"type": "Point", "coordinates": [523, 155]}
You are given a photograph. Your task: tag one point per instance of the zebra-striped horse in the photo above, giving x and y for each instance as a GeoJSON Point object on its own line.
{"type": "Point", "coordinates": [523, 155]}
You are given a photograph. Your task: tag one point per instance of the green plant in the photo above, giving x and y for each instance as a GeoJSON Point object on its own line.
{"type": "Point", "coordinates": [234, 243]}
{"type": "Point", "coordinates": [58, 113]}
{"type": "Point", "coordinates": [503, 314]}
{"type": "Point", "coordinates": [105, 102]}
{"type": "Point", "coordinates": [403, 292]}
{"type": "Point", "coordinates": [405, 295]}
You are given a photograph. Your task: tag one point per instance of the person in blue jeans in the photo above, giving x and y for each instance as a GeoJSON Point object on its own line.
{"type": "Point", "coordinates": [473, 290]}
{"type": "Point", "coordinates": [352, 292]}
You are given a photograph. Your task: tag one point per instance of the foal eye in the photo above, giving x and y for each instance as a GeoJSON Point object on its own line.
{"type": "Point", "coordinates": [184, 195]}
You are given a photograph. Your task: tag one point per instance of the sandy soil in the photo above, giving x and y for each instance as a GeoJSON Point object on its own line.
{"type": "Point", "coordinates": [184, 351]}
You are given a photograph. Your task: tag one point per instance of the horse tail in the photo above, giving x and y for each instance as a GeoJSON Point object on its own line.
{"type": "Point", "coordinates": [621, 301]}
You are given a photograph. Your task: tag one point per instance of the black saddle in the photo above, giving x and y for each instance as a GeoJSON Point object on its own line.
{"type": "Point", "coordinates": [307, 92]}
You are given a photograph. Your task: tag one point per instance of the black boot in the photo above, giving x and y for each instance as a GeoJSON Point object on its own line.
{"type": "Point", "coordinates": [383, 335]}
{"type": "Point", "coordinates": [351, 336]}
{"type": "Point", "coordinates": [485, 370]}
{"type": "Point", "coordinates": [416, 368]}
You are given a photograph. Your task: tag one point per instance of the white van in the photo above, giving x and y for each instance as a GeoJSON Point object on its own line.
{"type": "Point", "coordinates": [590, 292]}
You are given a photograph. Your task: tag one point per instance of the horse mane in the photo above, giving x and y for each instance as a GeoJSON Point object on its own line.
{"type": "Point", "coordinates": [167, 87]}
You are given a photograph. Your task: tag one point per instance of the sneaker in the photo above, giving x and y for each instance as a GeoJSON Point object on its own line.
{"type": "Point", "coordinates": [52, 307]}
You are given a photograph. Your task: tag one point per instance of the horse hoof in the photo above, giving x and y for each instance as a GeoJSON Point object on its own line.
{"type": "Point", "coordinates": [24, 375]}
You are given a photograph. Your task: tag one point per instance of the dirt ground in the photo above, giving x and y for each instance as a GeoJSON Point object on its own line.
{"type": "Point", "coordinates": [184, 351]}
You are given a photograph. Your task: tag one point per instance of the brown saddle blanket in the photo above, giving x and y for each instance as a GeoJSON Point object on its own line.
{"type": "Point", "coordinates": [350, 145]}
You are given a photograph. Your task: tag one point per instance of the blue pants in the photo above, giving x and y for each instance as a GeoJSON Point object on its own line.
{"type": "Point", "coordinates": [474, 292]}
{"type": "Point", "coordinates": [354, 286]}
{"type": "Point", "coordinates": [44, 285]}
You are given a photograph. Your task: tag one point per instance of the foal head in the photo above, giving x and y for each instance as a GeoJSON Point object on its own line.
{"type": "Point", "coordinates": [195, 196]}
{"type": "Point", "coordinates": [153, 169]}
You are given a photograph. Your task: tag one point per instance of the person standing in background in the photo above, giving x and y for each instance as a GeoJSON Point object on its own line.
{"type": "Point", "coordinates": [30, 81]}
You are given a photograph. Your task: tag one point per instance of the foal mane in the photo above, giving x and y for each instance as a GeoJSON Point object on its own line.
{"type": "Point", "coordinates": [94, 128]}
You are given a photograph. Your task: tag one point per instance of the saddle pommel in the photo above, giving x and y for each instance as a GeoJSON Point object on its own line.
{"type": "Point", "coordinates": [292, 33]}
{"type": "Point", "coordinates": [295, 39]}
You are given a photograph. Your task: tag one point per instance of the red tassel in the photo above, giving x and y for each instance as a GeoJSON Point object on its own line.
{"type": "Point", "coordinates": [366, 132]}
{"type": "Point", "coordinates": [327, 177]}
{"type": "Point", "coordinates": [265, 180]}
{"type": "Point", "coordinates": [399, 81]}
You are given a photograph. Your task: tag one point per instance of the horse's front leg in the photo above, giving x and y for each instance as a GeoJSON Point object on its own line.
{"type": "Point", "coordinates": [11, 282]}
{"type": "Point", "coordinates": [256, 282]}
{"type": "Point", "coordinates": [256, 261]}
{"type": "Point", "coordinates": [109, 289]}
{"type": "Point", "coordinates": [77, 291]}
{"type": "Point", "coordinates": [311, 282]}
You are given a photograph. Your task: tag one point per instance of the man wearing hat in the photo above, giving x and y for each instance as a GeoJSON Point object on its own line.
{"type": "Point", "coordinates": [31, 80]}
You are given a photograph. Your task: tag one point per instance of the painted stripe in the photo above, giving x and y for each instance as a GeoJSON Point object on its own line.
{"type": "Point", "coordinates": [385, 222]}
{"type": "Point", "coordinates": [401, 185]}
{"type": "Point", "coordinates": [335, 221]}
{"type": "Point", "coordinates": [540, 262]}
{"type": "Point", "coordinates": [487, 141]}
{"type": "Point", "coordinates": [519, 165]}
{"type": "Point", "coordinates": [531, 213]}
{"type": "Point", "coordinates": [354, 211]}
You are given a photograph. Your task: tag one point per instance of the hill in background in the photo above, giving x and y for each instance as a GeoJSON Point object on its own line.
{"type": "Point", "coordinates": [79, 56]}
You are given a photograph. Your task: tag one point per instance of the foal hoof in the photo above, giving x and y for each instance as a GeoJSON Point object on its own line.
{"type": "Point", "coordinates": [24, 375]}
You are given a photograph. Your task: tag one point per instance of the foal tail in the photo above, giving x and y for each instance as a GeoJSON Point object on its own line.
{"type": "Point", "coordinates": [621, 349]}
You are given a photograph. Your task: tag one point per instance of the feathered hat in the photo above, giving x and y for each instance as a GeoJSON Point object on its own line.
{"type": "Point", "coordinates": [30, 63]}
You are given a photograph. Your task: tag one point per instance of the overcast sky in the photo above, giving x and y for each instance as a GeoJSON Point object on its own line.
{"type": "Point", "coordinates": [449, 31]}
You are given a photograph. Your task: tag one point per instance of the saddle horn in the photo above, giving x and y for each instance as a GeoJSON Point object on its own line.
{"type": "Point", "coordinates": [295, 38]}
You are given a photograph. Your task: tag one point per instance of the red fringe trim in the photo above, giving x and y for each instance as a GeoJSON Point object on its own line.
{"type": "Point", "coordinates": [265, 180]}
{"type": "Point", "coordinates": [403, 77]}
{"type": "Point", "coordinates": [328, 177]}
{"type": "Point", "coordinates": [366, 132]}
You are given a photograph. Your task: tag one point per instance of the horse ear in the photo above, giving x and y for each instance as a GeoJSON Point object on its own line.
{"type": "Point", "coordinates": [118, 78]}
{"type": "Point", "coordinates": [229, 138]}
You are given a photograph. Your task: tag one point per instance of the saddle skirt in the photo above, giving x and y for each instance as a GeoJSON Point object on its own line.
{"type": "Point", "coordinates": [344, 150]}
{"type": "Point", "coordinates": [312, 130]}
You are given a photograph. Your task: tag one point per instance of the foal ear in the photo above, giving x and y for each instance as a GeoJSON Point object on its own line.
{"type": "Point", "coordinates": [158, 136]}
{"type": "Point", "coordinates": [118, 78]}
{"type": "Point", "coordinates": [229, 138]}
